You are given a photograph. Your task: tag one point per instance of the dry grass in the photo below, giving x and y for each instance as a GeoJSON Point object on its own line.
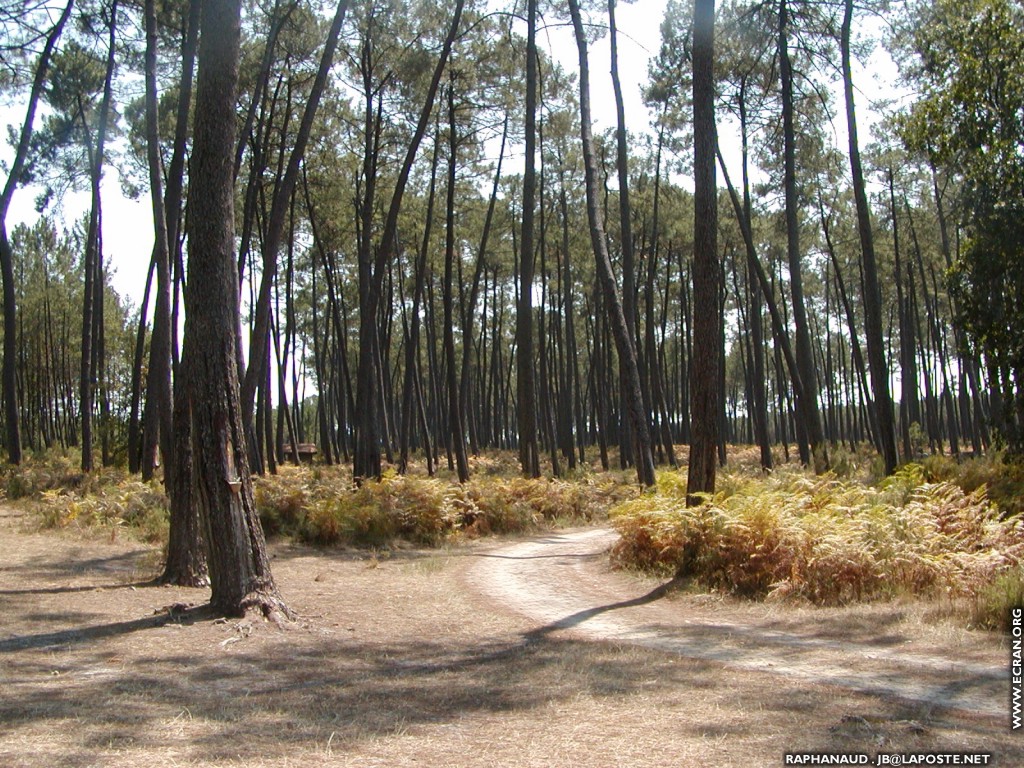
{"type": "Point", "coordinates": [323, 506]}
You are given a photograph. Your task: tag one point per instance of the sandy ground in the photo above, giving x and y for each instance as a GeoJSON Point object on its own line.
{"type": "Point", "coordinates": [496, 653]}
{"type": "Point", "coordinates": [562, 581]}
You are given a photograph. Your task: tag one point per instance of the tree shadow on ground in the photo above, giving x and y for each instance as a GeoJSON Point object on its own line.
{"type": "Point", "coordinates": [296, 690]}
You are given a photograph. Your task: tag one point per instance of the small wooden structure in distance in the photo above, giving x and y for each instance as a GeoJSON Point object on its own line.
{"type": "Point", "coordinates": [306, 451]}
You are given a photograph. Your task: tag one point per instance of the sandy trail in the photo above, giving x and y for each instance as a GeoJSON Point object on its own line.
{"type": "Point", "coordinates": [563, 582]}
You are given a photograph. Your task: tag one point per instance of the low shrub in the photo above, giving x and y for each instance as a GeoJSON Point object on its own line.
{"type": "Point", "coordinates": [1001, 476]}
{"type": "Point", "coordinates": [54, 471]}
{"type": "Point", "coordinates": [140, 509]}
{"type": "Point", "coordinates": [429, 510]}
{"type": "Point", "coordinates": [994, 602]}
{"type": "Point", "coordinates": [823, 539]}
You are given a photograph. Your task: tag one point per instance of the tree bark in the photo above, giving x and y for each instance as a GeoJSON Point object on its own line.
{"type": "Point", "coordinates": [529, 453]}
{"type": "Point", "coordinates": [707, 310]}
{"type": "Point", "coordinates": [240, 575]}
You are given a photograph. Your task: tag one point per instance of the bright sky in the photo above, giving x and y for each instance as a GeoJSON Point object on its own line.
{"type": "Point", "coordinates": [127, 224]}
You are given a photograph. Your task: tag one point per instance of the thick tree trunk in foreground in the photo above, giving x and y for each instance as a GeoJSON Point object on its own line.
{"type": "Point", "coordinates": [707, 308]}
{"type": "Point", "coordinates": [186, 564]}
{"type": "Point", "coordinates": [239, 567]}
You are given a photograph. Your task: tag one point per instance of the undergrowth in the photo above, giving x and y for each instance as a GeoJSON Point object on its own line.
{"type": "Point", "coordinates": [107, 500]}
{"type": "Point", "coordinates": [322, 506]}
{"type": "Point", "coordinates": [938, 528]}
{"type": "Point", "coordinates": [830, 541]}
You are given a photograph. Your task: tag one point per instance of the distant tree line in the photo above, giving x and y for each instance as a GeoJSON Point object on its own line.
{"type": "Point", "coordinates": [433, 254]}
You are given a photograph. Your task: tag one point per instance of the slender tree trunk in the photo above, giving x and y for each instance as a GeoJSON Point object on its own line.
{"type": "Point", "coordinates": [134, 435]}
{"type": "Point", "coordinates": [176, 169]}
{"type": "Point", "coordinates": [625, 209]}
{"type": "Point", "coordinates": [454, 407]}
{"type": "Point", "coordinates": [279, 18]}
{"type": "Point", "coordinates": [474, 291]}
{"type": "Point", "coordinates": [93, 255]}
{"type": "Point", "coordinates": [279, 207]}
{"type": "Point", "coordinates": [908, 358]}
{"type": "Point", "coordinates": [529, 458]}
{"type": "Point", "coordinates": [411, 385]}
{"type": "Point", "coordinates": [759, 376]}
{"type": "Point", "coordinates": [158, 424]}
{"type": "Point", "coordinates": [366, 460]}
{"type": "Point", "coordinates": [858, 356]}
{"type": "Point", "coordinates": [779, 325]}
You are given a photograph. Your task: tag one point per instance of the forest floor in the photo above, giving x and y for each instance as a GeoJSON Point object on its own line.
{"type": "Point", "coordinates": [515, 652]}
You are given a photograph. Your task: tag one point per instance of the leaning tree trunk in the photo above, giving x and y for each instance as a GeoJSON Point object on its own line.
{"type": "Point", "coordinates": [366, 459]}
{"type": "Point", "coordinates": [784, 349]}
{"type": "Point", "coordinates": [808, 404]}
{"type": "Point", "coordinates": [158, 420]}
{"type": "Point", "coordinates": [10, 369]}
{"type": "Point", "coordinates": [240, 574]}
{"type": "Point", "coordinates": [877, 363]}
{"type": "Point", "coordinates": [632, 396]}
{"type": "Point", "coordinates": [260, 337]}
{"type": "Point", "coordinates": [474, 290]}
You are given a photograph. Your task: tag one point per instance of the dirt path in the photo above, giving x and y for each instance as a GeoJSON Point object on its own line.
{"type": "Point", "coordinates": [562, 581]}
{"type": "Point", "coordinates": [529, 653]}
